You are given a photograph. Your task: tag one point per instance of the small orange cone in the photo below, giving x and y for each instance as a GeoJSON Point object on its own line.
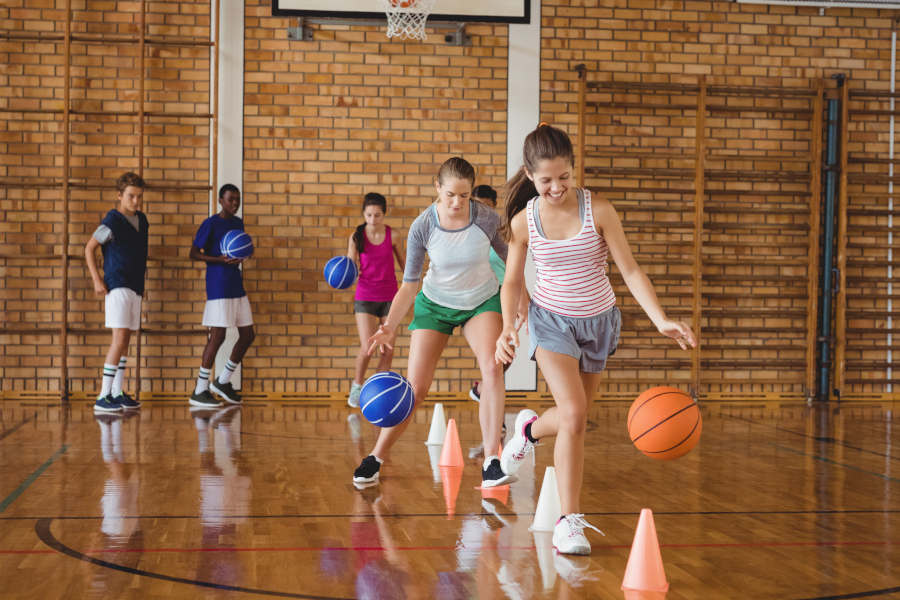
{"type": "Point", "coordinates": [451, 454]}
{"type": "Point", "coordinates": [645, 571]}
{"type": "Point", "coordinates": [451, 477]}
{"type": "Point", "coordinates": [500, 493]}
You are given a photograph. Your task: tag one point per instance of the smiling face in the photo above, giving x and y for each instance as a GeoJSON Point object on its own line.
{"type": "Point", "coordinates": [552, 179]}
{"type": "Point", "coordinates": [231, 202]}
{"type": "Point", "coordinates": [454, 195]}
{"type": "Point", "coordinates": [130, 199]}
{"type": "Point", "coordinates": [373, 215]}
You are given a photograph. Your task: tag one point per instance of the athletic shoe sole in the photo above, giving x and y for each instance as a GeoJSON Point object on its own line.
{"type": "Point", "coordinates": [101, 409]}
{"type": "Point", "coordinates": [495, 482]}
{"type": "Point", "coordinates": [193, 402]}
{"type": "Point", "coordinates": [372, 479]}
{"type": "Point", "coordinates": [213, 387]}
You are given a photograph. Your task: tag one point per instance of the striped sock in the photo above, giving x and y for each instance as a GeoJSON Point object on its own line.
{"type": "Point", "coordinates": [225, 376]}
{"type": "Point", "coordinates": [202, 381]}
{"type": "Point", "coordinates": [109, 373]}
{"type": "Point", "coordinates": [119, 378]}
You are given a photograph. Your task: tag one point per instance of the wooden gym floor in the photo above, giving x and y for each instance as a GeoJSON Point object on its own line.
{"type": "Point", "coordinates": [777, 501]}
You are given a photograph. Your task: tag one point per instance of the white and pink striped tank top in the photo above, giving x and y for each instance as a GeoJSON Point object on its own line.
{"type": "Point", "coordinates": [571, 274]}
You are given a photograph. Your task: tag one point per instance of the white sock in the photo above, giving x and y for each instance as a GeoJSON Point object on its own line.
{"type": "Point", "coordinates": [202, 381]}
{"type": "Point", "coordinates": [109, 373]}
{"type": "Point", "coordinates": [380, 462]}
{"type": "Point", "coordinates": [225, 375]}
{"type": "Point", "coordinates": [119, 378]}
{"type": "Point", "coordinates": [487, 461]}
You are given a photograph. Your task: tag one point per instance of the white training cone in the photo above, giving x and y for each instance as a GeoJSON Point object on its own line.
{"type": "Point", "coordinates": [548, 507]}
{"type": "Point", "coordinates": [438, 427]}
{"type": "Point", "coordinates": [434, 457]}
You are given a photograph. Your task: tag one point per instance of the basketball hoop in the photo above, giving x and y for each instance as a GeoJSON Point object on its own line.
{"type": "Point", "coordinates": [406, 18]}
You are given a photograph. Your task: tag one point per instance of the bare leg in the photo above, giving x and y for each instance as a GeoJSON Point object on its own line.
{"type": "Point", "coordinates": [482, 331]}
{"type": "Point", "coordinates": [366, 325]}
{"type": "Point", "coordinates": [387, 354]}
{"type": "Point", "coordinates": [425, 349]}
{"type": "Point", "coordinates": [246, 335]}
{"type": "Point", "coordinates": [213, 343]}
{"type": "Point", "coordinates": [572, 391]}
{"type": "Point", "coordinates": [118, 347]}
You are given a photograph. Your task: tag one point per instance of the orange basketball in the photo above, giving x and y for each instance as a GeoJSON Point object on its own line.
{"type": "Point", "coordinates": [664, 423]}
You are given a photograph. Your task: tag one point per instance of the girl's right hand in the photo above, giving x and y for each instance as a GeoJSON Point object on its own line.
{"type": "Point", "coordinates": [384, 336]}
{"type": "Point", "coordinates": [506, 345]}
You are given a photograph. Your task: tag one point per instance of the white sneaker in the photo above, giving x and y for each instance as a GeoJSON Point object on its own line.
{"type": "Point", "coordinates": [568, 535]}
{"type": "Point", "coordinates": [353, 398]}
{"type": "Point", "coordinates": [518, 446]}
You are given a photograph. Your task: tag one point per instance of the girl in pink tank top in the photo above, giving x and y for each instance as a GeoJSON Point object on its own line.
{"type": "Point", "coordinates": [373, 247]}
{"type": "Point", "coordinates": [573, 323]}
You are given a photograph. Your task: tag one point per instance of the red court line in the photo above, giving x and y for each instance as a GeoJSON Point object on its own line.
{"type": "Point", "coordinates": [439, 548]}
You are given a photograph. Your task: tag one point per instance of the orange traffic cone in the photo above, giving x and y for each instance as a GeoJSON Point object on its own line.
{"type": "Point", "coordinates": [451, 454]}
{"type": "Point", "coordinates": [645, 567]}
{"type": "Point", "coordinates": [451, 477]}
{"type": "Point", "coordinates": [500, 493]}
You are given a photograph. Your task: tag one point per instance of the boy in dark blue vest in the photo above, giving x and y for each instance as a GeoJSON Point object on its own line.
{"type": "Point", "coordinates": [122, 235]}
{"type": "Point", "coordinates": [226, 302]}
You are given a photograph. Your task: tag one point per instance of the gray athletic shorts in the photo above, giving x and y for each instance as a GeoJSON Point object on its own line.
{"type": "Point", "coordinates": [591, 339]}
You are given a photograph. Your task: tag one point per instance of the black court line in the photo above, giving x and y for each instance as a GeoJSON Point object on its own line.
{"type": "Point", "coordinates": [7, 432]}
{"type": "Point", "coordinates": [828, 440]}
{"type": "Point", "coordinates": [868, 594]}
{"type": "Point", "coordinates": [673, 513]}
{"type": "Point", "coordinates": [42, 529]}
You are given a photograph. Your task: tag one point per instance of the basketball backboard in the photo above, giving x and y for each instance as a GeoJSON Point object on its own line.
{"type": "Point", "coordinates": [490, 11]}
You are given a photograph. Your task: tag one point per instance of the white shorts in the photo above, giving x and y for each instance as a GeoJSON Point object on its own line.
{"type": "Point", "coordinates": [228, 312]}
{"type": "Point", "coordinates": [123, 309]}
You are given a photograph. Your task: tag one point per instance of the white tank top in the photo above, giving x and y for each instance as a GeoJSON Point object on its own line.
{"type": "Point", "coordinates": [571, 274]}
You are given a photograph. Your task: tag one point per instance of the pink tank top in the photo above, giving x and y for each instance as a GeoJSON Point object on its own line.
{"type": "Point", "coordinates": [377, 281]}
{"type": "Point", "coordinates": [571, 274]}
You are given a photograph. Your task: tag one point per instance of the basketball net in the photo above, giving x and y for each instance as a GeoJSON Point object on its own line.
{"type": "Point", "coordinates": [406, 18]}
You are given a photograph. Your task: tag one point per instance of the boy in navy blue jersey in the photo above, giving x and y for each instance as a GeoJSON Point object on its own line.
{"type": "Point", "coordinates": [122, 235]}
{"type": "Point", "coordinates": [226, 301]}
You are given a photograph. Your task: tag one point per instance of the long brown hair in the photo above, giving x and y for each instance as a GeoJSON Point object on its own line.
{"type": "Point", "coordinates": [371, 199]}
{"type": "Point", "coordinates": [544, 143]}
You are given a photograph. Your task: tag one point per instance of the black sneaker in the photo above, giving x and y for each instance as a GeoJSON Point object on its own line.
{"type": "Point", "coordinates": [127, 401]}
{"type": "Point", "coordinates": [494, 475]}
{"type": "Point", "coordinates": [107, 404]}
{"type": "Point", "coordinates": [204, 399]}
{"type": "Point", "coordinates": [226, 391]}
{"type": "Point", "coordinates": [367, 471]}
{"type": "Point", "coordinates": [474, 394]}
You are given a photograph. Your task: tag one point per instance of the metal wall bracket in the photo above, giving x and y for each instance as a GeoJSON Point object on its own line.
{"type": "Point", "coordinates": [304, 33]}
{"type": "Point", "coordinates": [459, 37]}
{"type": "Point", "coordinates": [301, 32]}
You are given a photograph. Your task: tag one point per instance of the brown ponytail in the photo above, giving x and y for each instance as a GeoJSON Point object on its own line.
{"type": "Point", "coordinates": [544, 143]}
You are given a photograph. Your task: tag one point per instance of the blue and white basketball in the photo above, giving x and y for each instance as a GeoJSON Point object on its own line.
{"type": "Point", "coordinates": [386, 399]}
{"type": "Point", "coordinates": [340, 272]}
{"type": "Point", "coordinates": [236, 244]}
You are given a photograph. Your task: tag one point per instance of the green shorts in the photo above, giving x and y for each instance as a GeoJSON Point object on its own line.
{"type": "Point", "coordinates": [428, 315]}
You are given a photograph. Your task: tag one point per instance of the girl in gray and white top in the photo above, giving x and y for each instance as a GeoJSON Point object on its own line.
{"type": "Point", "coordinates": [459, 290]}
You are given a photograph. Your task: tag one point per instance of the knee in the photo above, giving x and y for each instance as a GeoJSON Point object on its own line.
{"type": "Point", "coordinates": [216, 336]}
{"type": "Point", "coordinates": [247, 335]}
{"type": "Point", "coordinates": [490, 369]}
{"type": "Point", "coordinates": [572, 419]}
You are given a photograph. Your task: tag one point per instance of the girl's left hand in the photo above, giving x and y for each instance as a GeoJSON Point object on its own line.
{"type": "Point", "coordinates": [680, 332]}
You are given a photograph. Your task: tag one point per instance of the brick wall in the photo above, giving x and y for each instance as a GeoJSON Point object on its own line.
{"type": "Point", "coordinates": [350, 112]}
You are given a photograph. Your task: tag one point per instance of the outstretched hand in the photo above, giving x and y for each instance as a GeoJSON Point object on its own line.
{"type": "Point", "coordinates": [680, 332]}
{"type": "Point", "coordinates": [383, 337]}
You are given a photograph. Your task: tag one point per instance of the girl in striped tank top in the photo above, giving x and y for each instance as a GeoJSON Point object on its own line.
{"type": "Point", "coordinates": [573, 321]}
